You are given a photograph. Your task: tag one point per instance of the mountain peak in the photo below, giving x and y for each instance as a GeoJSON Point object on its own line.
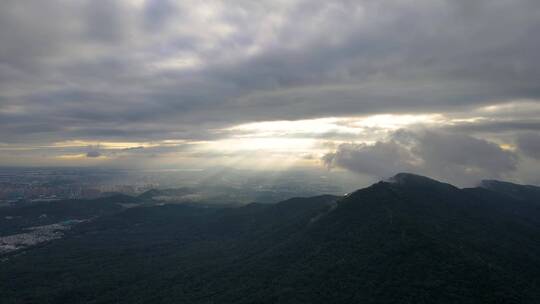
{"type": "Point", "coordinates": [415, 180]}
{"type": "Point", "coordinates": [406, 178]}
{"type": "Point", "coordinates": [493, 184]}
{"type": "Point", "coordinates": [515, 190]}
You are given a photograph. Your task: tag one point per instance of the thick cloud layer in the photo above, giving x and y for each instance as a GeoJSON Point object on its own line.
{"type": "Point", "coordinates": [94, 68]}
{"type": "Point", "coordinates": [160, 70]}
{"type": "Point", "coordinates": [381, 159]}
{"type": "Point", "coordinates": [458, 158]}
{"type": "Point", "coordinates": [529, 144]}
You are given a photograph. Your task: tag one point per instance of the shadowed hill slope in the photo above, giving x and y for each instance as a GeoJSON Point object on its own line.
{"type": "Point", "coordinates": [409, 240]}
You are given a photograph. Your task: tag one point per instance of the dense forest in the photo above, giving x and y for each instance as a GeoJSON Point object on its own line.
{"type": "Point", "coordinates": [408, 240]}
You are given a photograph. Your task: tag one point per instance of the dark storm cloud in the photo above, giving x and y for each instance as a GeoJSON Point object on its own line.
{"type": "Point", "coordinates": [499, 126]}
{"type": "Point", "coordinates": [381, 159]}
{"type": "Point", "coordinates": [157, 13]}
{"type": "Point", "coordinates": [155, 70]}
{"type": "Point", "coordinates": [457, 155]}
{"type": "Point", "coordinates": [529, 144]}
{"type": "Point", "coordinates": [104, 21]}
{"type": "Point", "coordinates": [458, 158]}
{"type": "Point", "coordinates": [93, 154]}
{"type": "Point", "coordinates": [93, 151]}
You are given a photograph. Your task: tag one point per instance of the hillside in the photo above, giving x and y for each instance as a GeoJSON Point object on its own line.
{"type": "Point", "coordinates": [408, 240]}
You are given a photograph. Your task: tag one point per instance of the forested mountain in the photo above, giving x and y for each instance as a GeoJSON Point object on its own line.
{"type": "Point", "coordinates": [407, 240]}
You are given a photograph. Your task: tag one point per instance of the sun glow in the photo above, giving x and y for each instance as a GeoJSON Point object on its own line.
{"type": "Point", "coordinates": [352, 125]}
{"type": "Point", "coordinates": [293, 142]}
{"type": "Point", "coordinates": [317, 126]}
{"type": "Point", "coordinates": [395, 121]}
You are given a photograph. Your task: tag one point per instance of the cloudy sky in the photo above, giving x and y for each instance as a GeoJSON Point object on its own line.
{"type": "Point", "coordinates": [450, 89]}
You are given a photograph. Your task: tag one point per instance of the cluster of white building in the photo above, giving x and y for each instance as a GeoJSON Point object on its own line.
{"type": "Point", "coordinates": [35, 235]}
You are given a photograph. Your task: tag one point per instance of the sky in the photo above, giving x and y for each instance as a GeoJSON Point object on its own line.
{"type": "Point", "coordinates": [449, 89]}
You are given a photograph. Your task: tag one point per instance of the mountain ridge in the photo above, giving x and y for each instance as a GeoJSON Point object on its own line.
{"type": "Point", "coordinates": [415, 240]}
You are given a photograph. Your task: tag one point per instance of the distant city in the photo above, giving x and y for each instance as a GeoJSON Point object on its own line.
{"type": "Point", "coordinates": [48, 184]}
{"type": "Point", "coordinates": [232, 186]}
